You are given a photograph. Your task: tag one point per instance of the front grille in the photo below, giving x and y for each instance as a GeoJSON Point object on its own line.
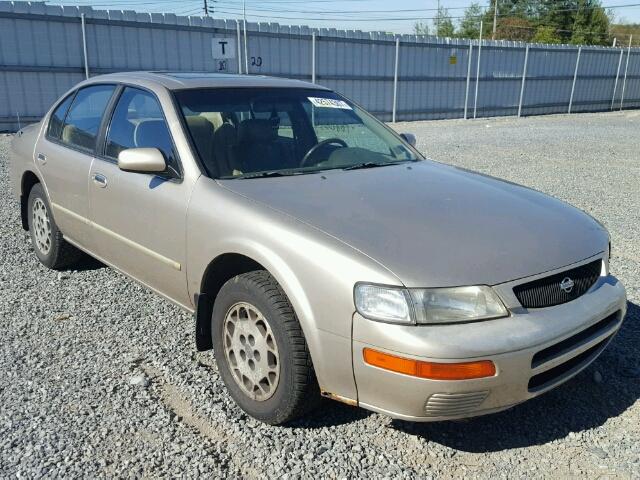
{"type": "Point", "coordinates": [453, 404]}
{"type": "Point", "coordinates": [546, 292]}
{"type": "Point", "coordinates": [562, 371]}
{"type": "Point", "coordinates": [568, 344]}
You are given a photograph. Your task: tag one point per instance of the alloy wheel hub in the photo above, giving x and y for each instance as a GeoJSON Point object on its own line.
{"type": "Point", "coordinates": [41, 226]}
{"type": "Point", "coordinates": [251, 351]}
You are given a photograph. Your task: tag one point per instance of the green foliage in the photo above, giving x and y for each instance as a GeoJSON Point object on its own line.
{"type": "Point", "coordinates": [444, 24]}
{"type": "Point", "coordinates": [544, 21]}
{"type": "Point", "coordinates": [420, 28]}
{"type": "Point", "coordinates": [546, 35]}
{"type": "Point", "coordinates": [622, 31]}
{"type": "Point", "coordinates": [470, 23]}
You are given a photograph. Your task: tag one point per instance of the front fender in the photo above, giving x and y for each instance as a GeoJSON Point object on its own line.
{"type": "Point", "coordinates": [316, 271]}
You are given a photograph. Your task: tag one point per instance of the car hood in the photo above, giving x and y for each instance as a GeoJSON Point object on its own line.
{"type": "Point", "coordinates": [434, 225]}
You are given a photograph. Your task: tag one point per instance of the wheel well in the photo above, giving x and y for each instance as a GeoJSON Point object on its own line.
{"type": "Point", "coordinates": [218, 272]}
{"type": "Point", "coordinates": [29, 179]}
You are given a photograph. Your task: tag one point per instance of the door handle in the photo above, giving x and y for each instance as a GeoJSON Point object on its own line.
{"type": "Point", "coordinates": [42, 158]}
{"type": "Point", "coordinates": [100, 180]}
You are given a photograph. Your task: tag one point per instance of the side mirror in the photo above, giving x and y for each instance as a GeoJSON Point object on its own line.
{"type": "Point", "coordinates": [142, 160]}
{"type": "Point", "coordinates": [410, 138]}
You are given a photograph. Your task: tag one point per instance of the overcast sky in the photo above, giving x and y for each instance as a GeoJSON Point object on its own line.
{"type": "Point", "coordinates": [378, 15]}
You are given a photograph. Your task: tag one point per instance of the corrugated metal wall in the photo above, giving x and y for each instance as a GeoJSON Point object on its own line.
{"type": "Point", "coordinates": [42, 55]}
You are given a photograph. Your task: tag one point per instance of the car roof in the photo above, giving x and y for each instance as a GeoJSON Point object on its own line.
{"type": "Point", "coordinates": [186, 80]}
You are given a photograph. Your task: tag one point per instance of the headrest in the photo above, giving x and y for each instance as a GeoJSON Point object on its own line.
{"type": "Point", "coordinates": [153, 133]}
{"type": "Point", "coordinates": [199, 125]}
{"type": "Point", "coordinates": [226, 135]}
{"type": "Point", "coordinates": [75, 136]}
{"type": "Point", "coordinates": [257, 130]}
{"type": "Point", "coordinates": [214, 117]}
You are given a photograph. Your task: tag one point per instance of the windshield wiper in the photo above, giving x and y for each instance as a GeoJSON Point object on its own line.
{"type": "Point", "coordinates": [273, 173]}
{"type": "Point", "coordinates": [362, 165]}
{"type": "Point", "coordinates": [264, 174]}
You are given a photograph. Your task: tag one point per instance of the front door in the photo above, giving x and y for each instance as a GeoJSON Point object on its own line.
{"type": "Point", "coordinates": [139, 218]}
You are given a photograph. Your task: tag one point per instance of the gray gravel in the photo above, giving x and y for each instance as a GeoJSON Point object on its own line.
{"type": "Point", "coordinates": [100, 378]}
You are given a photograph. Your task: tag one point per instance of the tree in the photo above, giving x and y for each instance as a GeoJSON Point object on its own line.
{"type": "Point", "coordinates": [470, 23]}
{"type": "Point", "coordinates": [622, 30]}
{"type": "Point", "coordinates": [576, 21]}
{"type": "Point", "coordinates": [591, 25]}
{"type": "Point", "coordinates": [514, 28]}
{"type": "Point", "coordinates": [420, 28]}
{"type": "Point", "coordinates": [546, 35]}
{"type": "Point", "coordinates": [558, 16]}
{"type": "Point", "coordinates": [444, 24]}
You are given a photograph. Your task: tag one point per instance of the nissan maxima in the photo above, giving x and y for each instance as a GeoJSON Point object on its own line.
{"type": "Point", "coordinates": [320, 253]}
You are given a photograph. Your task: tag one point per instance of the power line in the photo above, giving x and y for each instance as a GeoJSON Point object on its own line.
{"type": "Point", "coordinates": [229, 7]}
{"type": "Point", "coordinates": [230, 10]}
{"type": "Point", "coordinates": [234, 5]}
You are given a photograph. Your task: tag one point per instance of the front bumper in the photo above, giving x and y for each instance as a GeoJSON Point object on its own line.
{"type": "Point", "coordinates": [534, 351]}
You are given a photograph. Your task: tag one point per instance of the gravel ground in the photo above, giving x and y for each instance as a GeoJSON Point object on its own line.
{"type": "Point", "coordinates": [100, 378]}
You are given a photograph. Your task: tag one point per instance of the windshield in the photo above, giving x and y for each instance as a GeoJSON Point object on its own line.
{"type": "Point", "coordinates": [251, 132]}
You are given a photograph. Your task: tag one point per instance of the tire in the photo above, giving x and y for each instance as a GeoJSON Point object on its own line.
{"type": "Point", "coordinates": [48, 243]}
{"type": "Point", "coordinates": [254, 305]}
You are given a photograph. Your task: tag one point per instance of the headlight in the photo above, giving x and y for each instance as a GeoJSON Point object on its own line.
{"type": "Point", "coordinates": [428, 306]}
{"type": "Point", "coordinates": [385, 304]}
{"type": "Point", "coordinates": [459, 304]}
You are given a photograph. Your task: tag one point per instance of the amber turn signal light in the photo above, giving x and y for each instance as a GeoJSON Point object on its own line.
{"type": "Point", "coordinates": [430, 370]}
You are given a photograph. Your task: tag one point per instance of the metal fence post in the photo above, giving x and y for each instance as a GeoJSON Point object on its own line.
{"type": "Point", "coordinates": [246, 55]}
{"type": "Point", "coordinates": [84, 45]}
{"type": "Point", "coordinates": [466, 92]}
{"type": "Point", "coordinates": [475, 101]}
{"type": "Point", "coordinates": [615, 85]}
{"type": "Point", "coordinates": [575, 77]}
{"type": "Point", "coordinates": [313, 57]}
{"type": "Point", "coordinates": [238, 48]}
{"type": "Point", "coordinates": [626, 69]}
{"type": "Point", "coordinates": [524, 77]}
{"type": "Point", "coordinates": [395, 82]}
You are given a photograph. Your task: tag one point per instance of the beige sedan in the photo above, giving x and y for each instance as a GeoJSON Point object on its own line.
{"type": "Point", "coordinates": [321, 254]}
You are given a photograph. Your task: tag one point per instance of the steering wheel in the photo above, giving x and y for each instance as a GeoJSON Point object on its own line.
{"type": "Point", "coordinates": [312, 150]}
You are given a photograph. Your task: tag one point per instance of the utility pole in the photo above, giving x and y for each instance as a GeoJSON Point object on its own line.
{"type": "Point", "coordinates": [244, 24]}
{"type": "Point", "coordinates": [495, 18]}
{"type": "Point", "coordinates": [206, 9]}
{"type": "Point", "coordinates": [438, 20]}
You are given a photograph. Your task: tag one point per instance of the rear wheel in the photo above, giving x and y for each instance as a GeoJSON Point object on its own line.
{"type": "Point", "coordinates": [47, 240]}
{"type": "Point", "coordinates": [261, 351]}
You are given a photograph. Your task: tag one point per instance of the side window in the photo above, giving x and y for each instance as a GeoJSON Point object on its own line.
{"type": "Point", "coordinates": [83, 120]}
{"type": "Point", "coordinates": [138, 122]}
{"type": "Point", "coordinates": [57, 118]}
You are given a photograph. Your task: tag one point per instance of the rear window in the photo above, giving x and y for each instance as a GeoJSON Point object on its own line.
{"type": "Point", "coordinates": [57, 118]}
{"type": "Point", "coordinates": [83, 120]}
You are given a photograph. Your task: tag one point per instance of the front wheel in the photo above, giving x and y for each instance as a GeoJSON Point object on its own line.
{"type": "Point", "coordinates": [261, 351]}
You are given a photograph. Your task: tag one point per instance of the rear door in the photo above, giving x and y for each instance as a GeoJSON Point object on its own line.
{"type": "Point", "coordinates": [64, 156]}
{"type": "Point", "coordinates": [139, 218]}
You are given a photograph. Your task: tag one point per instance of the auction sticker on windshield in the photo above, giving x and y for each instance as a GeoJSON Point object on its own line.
{"type": "Point", "coordinates": [329, 103]}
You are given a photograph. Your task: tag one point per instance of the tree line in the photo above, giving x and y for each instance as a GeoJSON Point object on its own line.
{"type": "Point", "coordinates": [578, 22]}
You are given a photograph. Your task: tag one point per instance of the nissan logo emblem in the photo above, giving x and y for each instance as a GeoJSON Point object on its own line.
{"type": "Point", "coordinates": [567, 285]}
